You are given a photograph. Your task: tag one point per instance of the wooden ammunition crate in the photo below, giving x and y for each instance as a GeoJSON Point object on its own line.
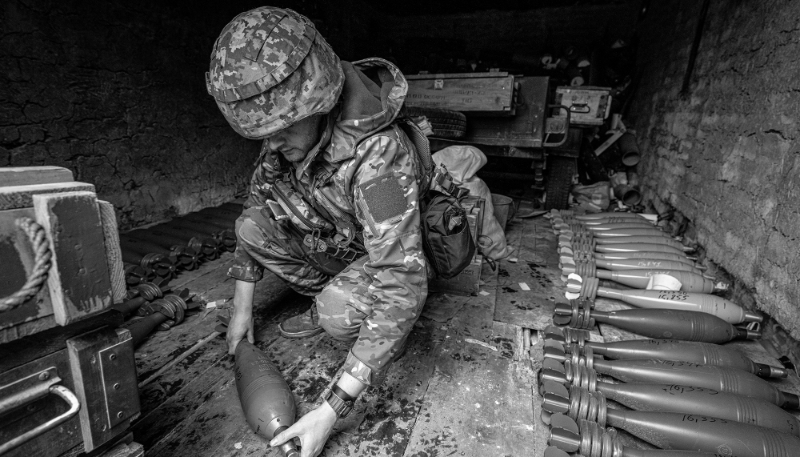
{"type": "Point", "coordinates": [63, 361]}
{"type": "Point", "coordinates": [78, 282]}
{"type": "Point", "coordinates": [587, 105]}
{"type": "Point", "coordinates": [488, 93]}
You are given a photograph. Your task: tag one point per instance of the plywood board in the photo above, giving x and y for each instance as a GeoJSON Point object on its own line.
{"type": "Point", "coordinates": [477, 314]}
{"type": "Point", "coordinates": [78, 280]}
{"type": "Point", "coordinates": [529, 287]}
{"type": "Point", "coordinates": [478, 403]}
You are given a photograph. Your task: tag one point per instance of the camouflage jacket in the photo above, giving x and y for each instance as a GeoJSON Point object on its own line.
{"type": "Point", "coordinates": [374, 179]}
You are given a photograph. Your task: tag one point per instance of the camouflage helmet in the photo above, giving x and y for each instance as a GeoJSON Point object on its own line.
{"type": "Point", "coordinates": [269, 69]}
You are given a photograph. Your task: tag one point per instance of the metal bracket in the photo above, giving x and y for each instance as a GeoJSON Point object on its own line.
{"type": "Point", "coordinates": [27, 389]}
{"type": "Point", "coordinates": [118, 383]}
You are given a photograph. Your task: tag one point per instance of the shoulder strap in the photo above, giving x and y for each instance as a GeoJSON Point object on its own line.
{"type": "Point", "coordinates": [420, 141]}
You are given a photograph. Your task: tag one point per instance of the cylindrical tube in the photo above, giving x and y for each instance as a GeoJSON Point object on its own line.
{"type": "Point", "coordinates": [639, 239]}
{"type": "Point", "coordinates": [633, 233]}
{"type": "Point", "coordinates": [640, 264]}
{"type": "Point", "coordinates": [622, 226]}
{"type": "Point", "coordinates": [675, 324]}
{"type": "Point", "coordinates": [704, 433]}
{"type": "Point", "coordinates": [628, 195]}
{"type": "Point", "coordinates": [685, 351]}
{"type": "Point", "coordinates": [639, 247]}
{"type": "Point", "coordinates": [648, 255]}
{"type": "Point", "coordinates": [667, 299]}
{"type": "Point", "coordinates": [723, 379]}
{"type": "Point", "coordinates": [143, 327]}
{"type": "Point", "coordinates": [629, 150]}
{"type": "Point", "coordinates": [638, 279]}
{"type": "Point", "coordinates": [698, 400]}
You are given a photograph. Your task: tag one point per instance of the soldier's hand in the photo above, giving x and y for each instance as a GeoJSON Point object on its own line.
{"type": "Point", "coordinates": [240, 327]}
{"type": "Point", "coordinates": [313, 430]}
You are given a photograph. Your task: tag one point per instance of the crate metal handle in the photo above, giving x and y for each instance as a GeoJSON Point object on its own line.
{"type": "Point", "coordinates": [565, 135]}
{"type": "Point", "coordinates": [31, 395]}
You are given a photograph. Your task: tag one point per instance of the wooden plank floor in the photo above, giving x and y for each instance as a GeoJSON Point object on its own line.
{"type": "Point", "coordinates": [462, 388]}
{"type": "Point", "coordinates": [455, 391]}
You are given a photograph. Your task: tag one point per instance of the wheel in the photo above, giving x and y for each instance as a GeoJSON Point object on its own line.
{"type": "Point", "coordinates": [445, 123]}
{"type": "Point", "coordinates": [557, 181]}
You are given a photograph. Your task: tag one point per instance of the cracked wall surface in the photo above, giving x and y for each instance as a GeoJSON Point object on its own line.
{"type": "Point", "coordinates": [725, 154]}
{"type": "Point", "coordinates": [114, 91]}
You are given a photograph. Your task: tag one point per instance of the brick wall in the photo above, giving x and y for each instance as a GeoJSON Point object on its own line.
{"type": "Point", "coordinates": [114, 91]}
{"type": "Point", "coordinates": [725, 155]}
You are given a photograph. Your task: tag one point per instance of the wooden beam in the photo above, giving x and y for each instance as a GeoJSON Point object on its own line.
{"type": "Point", "coordinates": [489, 74]}
{"type": "Point", "coordinates": [15, 197]}
{"type": "Point", "coordinates": [27, 176]}
{"type": "Point", "coordinates": [78, 281]}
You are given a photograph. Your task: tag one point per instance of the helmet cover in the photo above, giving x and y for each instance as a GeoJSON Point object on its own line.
{"type": "Point", "coordinates": [269, 69]}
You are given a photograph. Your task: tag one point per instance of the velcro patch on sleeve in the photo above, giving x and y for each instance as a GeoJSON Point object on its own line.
{"type": "Point", "coordinates": [384, 197]}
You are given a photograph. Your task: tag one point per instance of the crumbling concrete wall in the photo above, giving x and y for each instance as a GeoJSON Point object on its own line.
{"type": "Point", "coordinates": [725, 154]}
{"type": "Point", "coordinates": [114, 91]}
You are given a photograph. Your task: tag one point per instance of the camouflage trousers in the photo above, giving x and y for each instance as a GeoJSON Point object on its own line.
{"type": "Point", "coordinates": [343, 300]}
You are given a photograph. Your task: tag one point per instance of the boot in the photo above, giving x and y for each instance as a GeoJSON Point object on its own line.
{"type": "Point", "coordinates": [302, 325]}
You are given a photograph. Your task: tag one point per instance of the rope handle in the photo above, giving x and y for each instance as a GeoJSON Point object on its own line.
{"type": "Point", "coordinates": [41, 265]}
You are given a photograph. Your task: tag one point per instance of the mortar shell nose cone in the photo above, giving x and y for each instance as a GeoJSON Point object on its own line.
{"type": "Point", "coordinates": [753, 317]}
{"type": "Point", "coordinates": [753, 334]}
{"type": "Point", "coordinates": [777, 372]}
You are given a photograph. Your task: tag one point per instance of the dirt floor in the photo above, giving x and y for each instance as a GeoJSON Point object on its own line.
{"type": "Point", "coordinates": [464, 387]}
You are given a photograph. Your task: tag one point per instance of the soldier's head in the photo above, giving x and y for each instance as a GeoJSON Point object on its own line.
{"type": "Point", "coordinates": [273, 76]}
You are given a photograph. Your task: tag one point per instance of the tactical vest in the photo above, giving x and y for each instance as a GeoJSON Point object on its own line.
{"type": "Point", "coordinates": [331, 237]}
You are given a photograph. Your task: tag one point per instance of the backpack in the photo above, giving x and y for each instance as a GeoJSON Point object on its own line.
{"type": "Point", "coordinates": [447, 241]}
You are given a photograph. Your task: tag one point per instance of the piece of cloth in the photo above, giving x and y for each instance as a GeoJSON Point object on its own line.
{"type": "Point", "coordinates": [363, 148]}
{"type": "Point", "coordinates": [463, 162]}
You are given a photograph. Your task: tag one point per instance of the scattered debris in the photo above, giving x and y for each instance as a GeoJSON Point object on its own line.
{"type": "Point", "coordinates": [480, 343]}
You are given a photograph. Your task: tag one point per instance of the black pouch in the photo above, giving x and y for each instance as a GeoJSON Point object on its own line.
{"type": "Point", "coordinates": [447, 239]}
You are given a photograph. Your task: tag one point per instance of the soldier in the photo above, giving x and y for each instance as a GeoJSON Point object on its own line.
{"type": "Point", "coordinates": [333, 207]}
